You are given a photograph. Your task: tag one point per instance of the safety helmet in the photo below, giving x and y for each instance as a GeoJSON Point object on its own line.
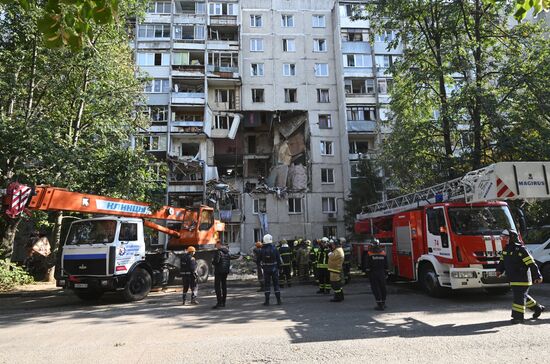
{"type": "Point", "coordinates": [376, 242]}
{"type": "Point", "coordinates": [308, 242]}
{"type": "Point", "coordinates": [324, 239]}
{"type": "Point", "coordinates": [342, 240]}
{"type": "Point", "coordinates": [258, 244]}
{"type": "Point", "coordinates": [296, 242]}
{"type": "Point", "coordinates": [509, 232]}
{"type": "Point", "coordinates": [268, 239]}
{"type": "Point", "coordinates": [191, 249]}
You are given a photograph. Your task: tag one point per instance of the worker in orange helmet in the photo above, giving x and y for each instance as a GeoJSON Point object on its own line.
{"type": "Point", "coordinates": [188, 271]}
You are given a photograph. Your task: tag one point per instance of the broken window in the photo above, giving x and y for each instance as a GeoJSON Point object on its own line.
{"type": "Point", "coordinates": [157, 86]}
{"type": "Point", "coordinates": [223, 59]}
{"type": "Point", "coordinates": [323, 95]}
{"type": "Point", "coordinates": [327, 175]}
{"type": "Point", "coordinates": [359, 86]}
{"type": "Point", "coordinates": [328, 205]}
{"type": "Point", "coordinates": [260, 205]}
{"type": "Point", "coordinates": [325, 121]}
{"type": "Point", "coordinates": [257, 95]}
{"type": "Point", "coordinates": [222, 122]}
{"type": "Point", "coordinates": [361, 113]}
{"type": "Point", "coordinates": [189, 149]}
{"type": "Point", "coordinates": [291, 95]}
{"type": "Point", "coordinates": [223, 96]}
{"type": "Point", "coordinates": [327, 147]}
{"type": "Point", "coordinates": [294, 205]}
{"type": "Point", "coordinates": [356, 146]}
{"type": "Point", "coordinates": [158, 113]}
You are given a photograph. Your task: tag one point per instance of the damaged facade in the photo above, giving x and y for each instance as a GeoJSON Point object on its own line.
{"type": "Point", "coordinates": [247, 108]}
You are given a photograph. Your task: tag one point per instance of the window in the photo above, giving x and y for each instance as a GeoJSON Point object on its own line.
{"type": "Point", "coordinates": [358, 147]}
{"type": "Point", "coordinates": [352, 35]}
{"type": "Point", "coordinates": [359, 86]}
{"type": "Point", "coordinates": [157, 85]}
{"type": "Point", "coordinates": [383, 61]}
{"type": "Point", "coordinates": [330, 231]}
{"type": "Point", "coordinates": [189, 32]}
{"type": "Point", "coordinates": [360, 113]}
{"type": "Point", "coordinates": [256, 21]}
{"type": "Point", "coordinates": [158, 113]}
{"type": "Point", "coordinates": [222, 122]}
{"type": "Point", "coordinates": [128, 232]}
{"type": "Point", "coordinates": [200, 8]}
{"type": "Point", "coordinates": [327, 175]}
{"type": "Point", "coordinates": [356, 60]}
{"type": "Point", "coordinates": [257, 95]}
{"type": "Point", "coordinates": [257, 69]}
{"type": "Point", "coordinates": [384, 86]}
{"type": "Point", "coordinates": [154, 31]}
{"type": "Point", "coordinates": [287, 21]}
{"type": "Point", "coordinates": [223, 9]}
{"type": "Point", "coordinates": [159, 7]}
{"type": "Point", "coordinates": [256, 45]}
{"type": "Point", "coordinates": [258, 235]}
{"type": "Point", "coordinates": [323, 95]}
{"type": "Point", "coordinates": [289, 45]}
{"type": "Point", "coordinates": [318, 21]}
{"type": "Point", "coordinates": [329, 205]}
{"type": "Point", "coordinates": [259, 205]}
{"type": "Point", "coordinates": [223, 59]}
{"type": "Point", "coordinates": [319, 45]}
{"type": "Point", "coordinates": [289, 69]}
{"type": "Point", "coordinates": [153, 59]}
{"type": "Point", "coordinates": [291, 95]}
{"type": "Point", "coordinates": [224, 95]}
{"type": "Point", "coordinates": [294, 205]}
{"type": "Point", "coordinates": [148, 142]}
{"type": "Point", "coordinates": [436, 220]}
{"type": "Point", "coordinates": [325, 121]}
{"type": "Point", "coordinates": [386, 36]}
{"type": "Point", "coordinates": [321, 69]}
{"type": "Point", "coordinates": [326, 147]}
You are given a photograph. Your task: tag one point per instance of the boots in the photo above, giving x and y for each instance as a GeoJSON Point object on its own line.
{"type": "Point", "coordinates": [266, 302]}
{"type": "Point", "coordinates": [183, 300]}
{"type": "Point", "coordinates": [538, 310]}
{"type": "Point", "coordinates": [380, 306]}
{"type": "Point", "coordinates": [278, 296]}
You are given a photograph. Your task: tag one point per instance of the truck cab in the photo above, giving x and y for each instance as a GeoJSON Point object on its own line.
{"type": "Point", "coordinates": [109, 254]}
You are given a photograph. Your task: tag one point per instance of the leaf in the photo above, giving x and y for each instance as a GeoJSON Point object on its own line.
{"type": "Point", "coordinates": [24, 4]}
{"type": "Point", "coordinates": [47, 24]}
{"type": "Point", "coordinates": [103, 15]}
{"type": "Point", "coordinates": [54, 41]}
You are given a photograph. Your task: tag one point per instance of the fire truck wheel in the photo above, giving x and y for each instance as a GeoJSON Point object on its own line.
{"type": "Point", "coordinates": [203, 270]}
{"type": "Point", "coordinates": [138, 285]}
{"type": "Point", "coordinates": [430, 283]}
{"type": "Point", "coordinates": [88, 294]}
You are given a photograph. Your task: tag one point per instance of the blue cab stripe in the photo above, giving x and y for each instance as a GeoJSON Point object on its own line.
{"type": "Point", "coordinates": [84, 256]}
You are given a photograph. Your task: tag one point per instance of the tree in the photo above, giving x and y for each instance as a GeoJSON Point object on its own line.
{"type": "Point", "coordinates": [365, 190]}
{"type": "Point", "coordinates": [66, 117]}
{"type": "Point", "coordinates": [461, 82]}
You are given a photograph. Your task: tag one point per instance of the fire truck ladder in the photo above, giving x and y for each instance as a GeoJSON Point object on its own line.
{"type": "Point", "coordinates": [447, 191]}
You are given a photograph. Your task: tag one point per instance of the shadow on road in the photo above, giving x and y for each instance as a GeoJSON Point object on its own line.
{"type": "Point", "coordinates": [308, 317]}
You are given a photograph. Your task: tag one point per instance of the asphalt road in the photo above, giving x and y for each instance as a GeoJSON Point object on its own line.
{"type": "Point", "coordinates": [52, 326]}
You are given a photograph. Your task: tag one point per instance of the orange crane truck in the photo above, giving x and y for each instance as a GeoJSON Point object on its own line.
{"type": "Point", "coordinates": [113, 252]}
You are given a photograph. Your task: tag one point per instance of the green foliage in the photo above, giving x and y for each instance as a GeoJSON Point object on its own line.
{"type": "Point", "coordinates": [11, 275]}
{"type": "Point", "coordinates": [364, 191]}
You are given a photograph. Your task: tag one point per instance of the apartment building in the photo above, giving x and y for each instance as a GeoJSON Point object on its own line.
{"type": "Point", "coordinates": [246, 106]}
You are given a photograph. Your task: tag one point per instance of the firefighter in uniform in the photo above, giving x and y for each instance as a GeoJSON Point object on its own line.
{"type": "Point", "coordinates": [302, 259]}
{"type": "Point", "coordinates": [322, 266]}
{"type": "Point", "coordinates": [377, 267]}
{"type": "Point", "coordinates": [188, 271]}
{"type": "Point", "coordinates": [347, 260]}
{"type": "Point", "coordinates": [521, 270]}
{"type": "Point", "coordinates": [335, 263]}
{"type": "Point", "coordinates": [294, 250]}
{"type": "Point", "coordinates": [256, 253]}
{"type": "Point", "coordinates": [271, 262]}
{"type": "Point", "coordinates": [286, 256]}
{"type": "Point", "coordinates": [313, 253]}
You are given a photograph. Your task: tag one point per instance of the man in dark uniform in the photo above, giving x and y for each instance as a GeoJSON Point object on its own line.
{"type": "Point", "coordinates": [222, 264]}
{"type": "Point", "coordinates": [377, 267]}
{"type": "Point", "coordinates": [521, 270]}
{"type": "Point", "coordinates": [347, 259]}
{"type": "Point", "coordinates": [322, 266]}
{"type": "Point", "coordinates": [256, 253]}
{"type": "Point", "coordinates": [271, 262]}
{"type": "Point", "coordinates": [286, 256]}
{"type": "Point", "coordinates": [313, 253]}
{"type": "Point", "coordinates": [188, 268]}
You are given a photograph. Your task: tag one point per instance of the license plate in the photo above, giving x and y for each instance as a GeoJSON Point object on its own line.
{"type": "Point", "coordinates": [81, 285]}
{"type": "Point", "coordinates": [491, 274]}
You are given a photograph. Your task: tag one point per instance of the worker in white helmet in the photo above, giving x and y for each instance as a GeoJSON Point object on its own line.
{"type": "Point", "coordinates": [270, 261]}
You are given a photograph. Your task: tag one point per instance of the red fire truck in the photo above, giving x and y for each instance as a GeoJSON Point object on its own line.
{"type": "Point", "coordinates": [448, 236]}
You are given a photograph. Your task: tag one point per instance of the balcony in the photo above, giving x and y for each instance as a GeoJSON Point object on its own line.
{"type": "Point", "coordinates": [188, 70]}
{"type": "Point", "coordinates": [187, 127]}
{"type": "Point", "coordinates": [356, 47]}
{"type": "Point", "coordinates": [358, 72]}
{"type": "Point", "coordinates": [362, 126]}
{"type": "Point", "coordinates": [189, 18]}
{"type": "Point", "coordinates": [224, 20]}
{"type": "Point", "coordinates": [191, 98]}
{"type": "Point", "coordinates": [216, 72]}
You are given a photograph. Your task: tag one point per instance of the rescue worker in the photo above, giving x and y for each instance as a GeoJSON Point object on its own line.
{"type": "Point", "coordinates": [222, 264]}
{"type": "Point", "coordinates": [294, 249]}
{"type": "Point", "coordinates": [286, 256]}
{"type": "Point", "coordinates": [377, 267]}
{"type": "Point", "coordinates": [313, 253]}
{"type": "Point", "coordinates": [302, 259]}
{"type": "Point", "coordinates": [521, 270]}
{"type": "Point", "coordinates": [259, 271]}
{"type": "Point", "coordinates": [335, 264]}
{"type": "Point", "coordinates": [322, 266]}
{"type": "Point", "coordinates": [270, 261]}
{"type": "Point", "coordinates": [347, 260]}
{"type": "Point", "coordinates": [188, 271]}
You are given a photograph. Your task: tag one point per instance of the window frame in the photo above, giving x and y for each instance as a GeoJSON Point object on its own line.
{"type": "Point", "coordinates": [293, 210]}
{"type": "Point", "coordinates": [327, 146]}
{"type": "Point", "coordinates": [329, 121]}
{"type": "Point", "coordinates": [254, 43]}
{"type": "Point", "coordinates": [256, 208]}
{"type": "Point", "coordinates": [259, 67]}
{"type": "Point", "coordinates": [286, 45]}
{"type": "Point", "coordinates": [318, 16]}
{"type": "Point", "coordinates": [291, 95]}
{"type": "Point", "coordinates": [317, 48]}
{"type": "Point", "coordinates": [291, 69]}
{"type": "Point", "coordinates": [254, 21]}
{"type": "Point", "coordinates": [329, 200]}
{"type": "Point", "coordinates": [328, 177]}
{"type": "Point", "coordinates": [323, 95]}
{"type": "Point", "coordinates": [254, 91]}
{"type": "Point", "coordinates": [287, 21]}
{"type": "Point", "coordinates": [319, 67]}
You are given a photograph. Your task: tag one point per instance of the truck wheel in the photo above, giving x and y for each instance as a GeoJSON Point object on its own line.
{"type": "Point", "coordinates": [88, 294]}
{"type": "Point", "coordinates": [430, 283]}
{"type": "Point", "coordinates": [203, 270]}
{"type": "Point", "coordinates": [497, 291]}
{"type": "Point", "coordinates": [138, 285]}
{"type": "Point", "coordinates": [546, 273]}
